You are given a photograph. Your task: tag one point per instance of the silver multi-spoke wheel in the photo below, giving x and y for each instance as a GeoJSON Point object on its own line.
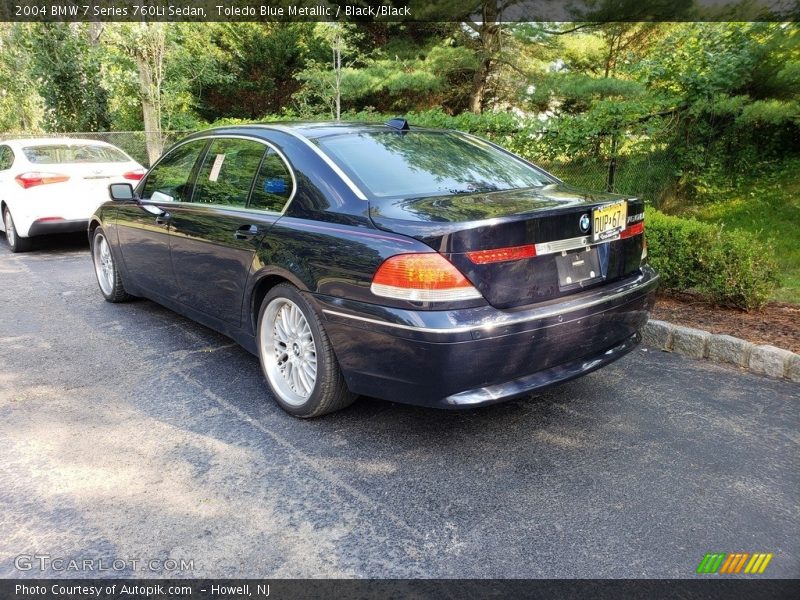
{"type": "Point", "coordinates": [108, 277]}
{"type": "Point", "coordinates": [11, 233]}
{"type": "Point", "coordinates": [296, 355]}
{"type": "Point", "coordinates": [289, 351]}
{"type": "Point", "coordinates": [103, 264]}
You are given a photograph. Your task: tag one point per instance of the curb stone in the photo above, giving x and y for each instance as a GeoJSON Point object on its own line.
{"type": "Point", "coordinates": [689, 341]}
{"type": "Point", "coordinates": [697, 343]}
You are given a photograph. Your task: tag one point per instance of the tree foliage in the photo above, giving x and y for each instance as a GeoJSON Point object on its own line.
{"type": "Point", "coordinates": [66, 66]}
{"type": "Point", "coordinates": [709, 95]}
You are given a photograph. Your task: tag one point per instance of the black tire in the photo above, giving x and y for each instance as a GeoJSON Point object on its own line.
{"type": "Point", "coordinates": [329, 391]}
{"type": "Point", "coordinates": [108, 278]}
{"type": "Point", "coordinates": [15, 243]}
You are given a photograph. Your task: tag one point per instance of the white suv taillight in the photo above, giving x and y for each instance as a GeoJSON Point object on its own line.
{"type": "Point", "coordinates": [426, 277]}
{"type": "Point", "coordinates": [34, 178]}
{"type": "Point", "coordinates": [134, 175]}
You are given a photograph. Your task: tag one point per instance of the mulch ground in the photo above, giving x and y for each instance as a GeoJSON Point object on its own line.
{"type": "Point", "coordinates": [777, 323]}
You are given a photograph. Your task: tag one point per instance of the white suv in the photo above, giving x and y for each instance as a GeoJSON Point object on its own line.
{"type": "Point", "coordinates": [53, 185]}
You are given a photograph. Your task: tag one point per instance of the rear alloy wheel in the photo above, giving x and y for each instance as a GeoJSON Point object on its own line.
{"type": "Point", "coordinates": [297, 357]}
{"type": "Point", "coordinates": [108, 277]}
{"type": "Point", "coordinates": [16, 243]}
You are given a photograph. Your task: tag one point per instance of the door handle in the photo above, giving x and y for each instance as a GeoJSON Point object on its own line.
{"type": "Point", "coordinates": [246, 232]}
{"type": "Point", "coordinates": [163, 219]}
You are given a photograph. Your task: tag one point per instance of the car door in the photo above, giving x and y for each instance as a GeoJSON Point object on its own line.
{"type": "Point", "coordinates": [241, 188]}
{"type": "Point", "coordinates": [143, 226]}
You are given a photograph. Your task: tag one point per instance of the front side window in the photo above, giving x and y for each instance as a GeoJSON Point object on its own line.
{"type": "Point", "coordinates": [6, 158]}
{"type": "Point", "coordinates": [170, 180]}
{"type": "Point", "coordinates": [226, 176]}
{"type": "Point", "coordinates": [428, 163]}
{"type": "Point", "coordinates": [274, 185]}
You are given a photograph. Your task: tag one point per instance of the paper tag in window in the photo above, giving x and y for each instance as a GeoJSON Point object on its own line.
{"type": "Point", "coordinates": [216, 168]}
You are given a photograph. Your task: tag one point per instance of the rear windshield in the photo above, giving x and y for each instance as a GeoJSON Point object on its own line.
{"type": "Point", "coordinates": [427, 163]}
{"type": "Point", "coordinates": [74, 153]}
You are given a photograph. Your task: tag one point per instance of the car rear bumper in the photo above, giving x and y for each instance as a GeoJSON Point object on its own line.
{"type": "Point", "coordinates": [480, 356]}
{"type": "Point", "coordinates": [48, 227]}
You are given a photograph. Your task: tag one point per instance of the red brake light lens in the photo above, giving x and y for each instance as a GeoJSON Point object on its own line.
{"type": "Point", "coordinates": [134, 175]}
{"type": "Point", "coordinates": [483, 257]}
{"type": "Point", "coordinates": [635, 229]}
{"type": "Point", "coordinates": [426, 277]}
{"type": "Point", "coordinates": [34, 178]}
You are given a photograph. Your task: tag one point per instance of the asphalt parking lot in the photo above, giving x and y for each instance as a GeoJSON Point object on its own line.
{"type": "Point", "coordinates": [128, 432]}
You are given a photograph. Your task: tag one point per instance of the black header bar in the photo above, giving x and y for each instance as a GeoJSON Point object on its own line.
{"type": "Point", "coordinates": [423, 589]}
{"type": "Point", "coordinates": [398, 10]}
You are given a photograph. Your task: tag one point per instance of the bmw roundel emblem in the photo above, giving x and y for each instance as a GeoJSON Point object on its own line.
{"type": "Point", "coordinates": [585, 223]}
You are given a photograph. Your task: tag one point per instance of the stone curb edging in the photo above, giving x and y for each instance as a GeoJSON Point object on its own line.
{"type": "Point", "coordinates": [761, 359]}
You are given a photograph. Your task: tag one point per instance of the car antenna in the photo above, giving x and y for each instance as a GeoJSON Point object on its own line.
{"type": "Point", "coordinates": [398, 123]}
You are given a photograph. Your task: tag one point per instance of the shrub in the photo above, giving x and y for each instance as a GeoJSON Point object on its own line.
{"type": "Point", "coordinates": [727, 267]}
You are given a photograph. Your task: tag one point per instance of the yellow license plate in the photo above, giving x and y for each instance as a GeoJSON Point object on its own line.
{"type": "Point", "coordinates": [609, 220]}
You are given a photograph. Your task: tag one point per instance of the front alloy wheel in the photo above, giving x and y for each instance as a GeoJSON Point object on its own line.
{"type": "Point", "coordinates": [296, 356]}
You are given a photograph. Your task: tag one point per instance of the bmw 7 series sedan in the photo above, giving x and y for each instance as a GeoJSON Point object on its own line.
{"type": "Point", "coordinates": [416, 265]}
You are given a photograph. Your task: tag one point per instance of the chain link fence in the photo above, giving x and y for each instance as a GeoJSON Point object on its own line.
{"type": "Point", "coordinates": [133, 143]}
{"type": "Point", "coordinates": [648, 176]}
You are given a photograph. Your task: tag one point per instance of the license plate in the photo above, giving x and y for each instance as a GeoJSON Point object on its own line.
{"type": "Point", "coordinates": [576, 268]}
{"type": "Point", "coordinates": [609, 220]}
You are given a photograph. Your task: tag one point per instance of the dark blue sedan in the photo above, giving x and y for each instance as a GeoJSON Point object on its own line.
{"type": "Point", "coordinates": [417, 265]}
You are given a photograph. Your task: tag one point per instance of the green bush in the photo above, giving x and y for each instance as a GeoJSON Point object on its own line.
{"type": "Point", "coordinates": [727, 267]}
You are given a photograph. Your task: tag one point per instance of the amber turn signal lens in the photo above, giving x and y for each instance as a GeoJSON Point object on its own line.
{"type": "Point", "coordinates": [426, 277]}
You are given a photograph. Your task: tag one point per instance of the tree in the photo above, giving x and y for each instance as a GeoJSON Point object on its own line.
{"type": "Point", "coordinates": [488, 41]}
{"type": "Point", "coordinates": [66, 65]}
{"type": "Point", "coordinates": [324, 80]}
{"type": "Point", "coordinates": [254, 67]}
{"type": "Point", "coordinates": [21, 106]}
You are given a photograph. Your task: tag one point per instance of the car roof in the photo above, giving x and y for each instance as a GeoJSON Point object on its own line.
{"type": "Point", "coordinates": [65, 141]}
{"type": "Point", "coordinates": [319, 129]}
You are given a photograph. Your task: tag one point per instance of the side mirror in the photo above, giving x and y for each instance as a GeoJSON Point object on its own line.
{"type": "Point", "coordinates": [121, 192]}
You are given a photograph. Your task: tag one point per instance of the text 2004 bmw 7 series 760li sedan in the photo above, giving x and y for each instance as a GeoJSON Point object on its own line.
{"type": "Point", "coordinates": [417, 265]}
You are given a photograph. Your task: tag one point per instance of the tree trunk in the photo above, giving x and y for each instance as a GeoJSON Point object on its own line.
{"type": "Point", "coordinates": [95, 32]}
{"type": "Point", "coordinates": [479, 83]}
{"type": "Point", "coordinates": [489, 32]}
{"type": "Point", "coordinates": [612, 164]}
{"type": "Point", "coordinates": [337, 67]}
{"type": "Point", "coordinates": [149, 55]}
{"type": "Point", "coordinates": [152, 121]}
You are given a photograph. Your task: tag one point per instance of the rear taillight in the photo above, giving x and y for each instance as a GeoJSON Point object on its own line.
{"type": "Point", "coordinates": [34, 178]}
{"type": "Point", "coordinates": [636, 229]}
{"type": "Point", "coordinates": [427, 277]}
{"type": "Point", "coordinates": [483, 257]}
{"type": "Point", "coordinates": [135, 175]}
{"type": "Point", "coordinates": [632, 230]}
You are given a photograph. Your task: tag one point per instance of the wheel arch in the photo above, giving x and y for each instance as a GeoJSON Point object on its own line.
{"type": "Point", "coordinates": [263, 283]}
{"type": "Point", "coordinates": [94, 223]}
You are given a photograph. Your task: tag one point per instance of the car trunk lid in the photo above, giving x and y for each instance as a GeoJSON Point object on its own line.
{"type": "Point", "coordinates": [554, 225]}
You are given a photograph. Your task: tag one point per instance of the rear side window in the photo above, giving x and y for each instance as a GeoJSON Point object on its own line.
{"type": "Point", "coordinates": [6, 158]}
{"type": "Point", "coordinates": [274, 185]}
{"type": "Point", "coordinates": [74, 153]}
{"type": "Point", "coordinates": [226, 176]}
{"type": "Point", "coordinates": [170, 180]}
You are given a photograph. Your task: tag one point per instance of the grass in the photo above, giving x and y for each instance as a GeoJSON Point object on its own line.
{"type": "Point", "coordinates": [765, 202]}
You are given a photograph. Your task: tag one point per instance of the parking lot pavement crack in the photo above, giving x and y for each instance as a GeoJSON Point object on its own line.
{"type": "Point", "coordinates": [305, 459]}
